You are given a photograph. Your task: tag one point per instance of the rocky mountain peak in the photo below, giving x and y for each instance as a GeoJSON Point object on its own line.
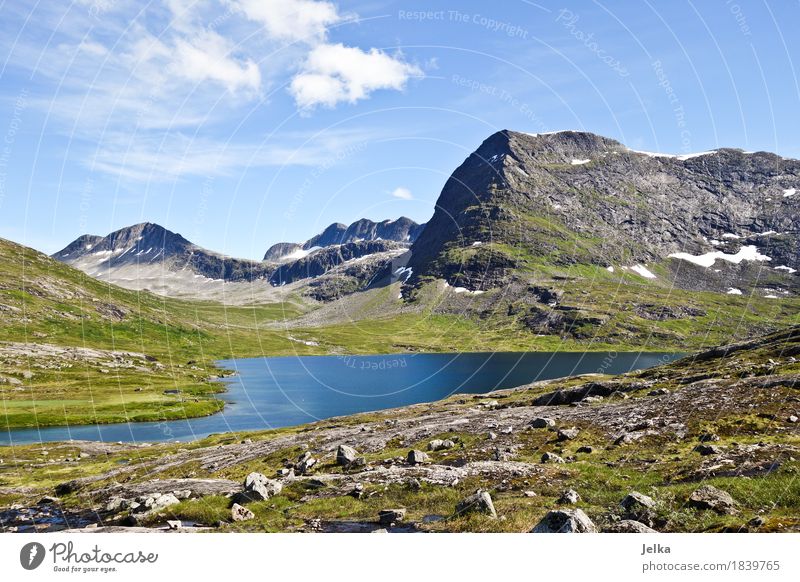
{"type": "Point", "coordinates": [558, 199]}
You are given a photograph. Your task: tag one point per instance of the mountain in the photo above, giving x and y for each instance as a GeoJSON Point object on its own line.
{"type": "Point", "coordinates": [148, 256]}
{"type": "Point", "coordinates": [522, 204]}
{"type": "Point", "coordinates": [402, 230]}
{"type": "Point", "coordinates": [150, 244]}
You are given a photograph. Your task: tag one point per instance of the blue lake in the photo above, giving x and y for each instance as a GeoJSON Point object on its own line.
{"type": "Point", "coordinates": [276, 392]}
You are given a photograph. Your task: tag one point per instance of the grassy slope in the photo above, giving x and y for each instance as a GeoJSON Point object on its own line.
{"type": "Point", "coordinates": [43, 301]}
{"type": "Point", "coordinates": [662, 465]}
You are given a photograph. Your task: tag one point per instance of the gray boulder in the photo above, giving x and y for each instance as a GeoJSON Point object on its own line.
{"type": "Point", "coordinates": [551, 458]}
{"type": "Point", "coordinates": [565, 521]}
{"type": "Point", "coordinates": [258, 488]}
{"type": "Point", "coordinates": [345, 455]}
{"type": "Point", "coordinates": [638, 507]}
{"type": "Point", "coordinates": [416, 457]}
{"type": "Point", "coordinates": [440, 445]}
{"type": "Point", "coordinates": [239, 513]}
{"type": "Point", "coordinates": [707, 450]}
{"type": "Point", "coordinates": [542, 423]}
{"type": "Point", "coordinates": [478, 502]}
{"type": "Point", "coordinates": [709, 497]}
{"type": "Point", "coordinates": [569, 497]}
{"type": "Point", "coordinates": [304, 463]}
{"type": "Point", "coordinates": [568, 434]}
{"type": "Point", "coordinates": [628, 526]}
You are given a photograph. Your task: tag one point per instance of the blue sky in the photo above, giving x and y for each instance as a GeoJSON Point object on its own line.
{"type": "Point", "coordinates": [240, 123]}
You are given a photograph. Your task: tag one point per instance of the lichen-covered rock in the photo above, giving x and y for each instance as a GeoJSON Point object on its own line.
{"type": "Point", "coordinates": [542, 422]}
{"type": "Point", "coordinates": [239, 513]}
{"type": "Point", "coordinates": [565, 521]}
{"type": "Point", "coordinates": [628, 526]}
{"type": "Point", "coordinates": [551, 458]}
{"type": "Point", "coordinates": [345, 455]}
{"type": "Point", "coordinates": [638, 507]}
{"type": "Point", "coordinates": [709, 497]}
{"type": "Point", "coordinates": [416, 457]}
{"type": "Point", "coordinates": [478, 502]}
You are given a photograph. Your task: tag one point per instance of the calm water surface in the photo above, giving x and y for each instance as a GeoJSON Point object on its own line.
{"type": "Point", "coordinates": [276, 392]}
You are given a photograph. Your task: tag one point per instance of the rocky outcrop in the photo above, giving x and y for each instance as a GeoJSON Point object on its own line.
{"type": "Point", "coordinates": [402, 230]}
{"type": "Point", "coordinates": [570, 198]}
{"type": "Point", "coordinates": [324, 260]}
{"type": "Point", "coordinates": [709, 497]}
{"type": "Point", "coordinates": [565, 521]}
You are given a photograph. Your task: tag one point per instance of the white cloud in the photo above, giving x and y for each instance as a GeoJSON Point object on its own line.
{"type": "Point", "coordinates": [335, 73]}
{"type": "Point", "coordinates": [402, 193]}
{"type": "Point", "coordinates": [291, 20]}
{"type": "Point", "coordinates": [155, 158]}
{"type": "Point", "coordinates": [207, 57]}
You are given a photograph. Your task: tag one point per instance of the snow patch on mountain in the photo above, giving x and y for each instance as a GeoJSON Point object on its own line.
{"type": "Point", "coordinates": [746, 253]}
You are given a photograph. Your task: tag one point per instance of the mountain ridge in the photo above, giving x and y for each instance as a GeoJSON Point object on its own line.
{"type": "Point", "coordinates": [523, 200]}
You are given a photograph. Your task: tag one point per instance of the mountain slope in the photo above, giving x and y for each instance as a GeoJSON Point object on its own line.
{"type": "Point", "coordinates": [725, 418]}
{"type": "Point", "coordinates": [525, 202]}
{"type": "Point", "coordinates": [149, 244]}
{"type": "Point", "coordinates": [76, 350]}
{"type": "Point", "coordinates": [402, 230]}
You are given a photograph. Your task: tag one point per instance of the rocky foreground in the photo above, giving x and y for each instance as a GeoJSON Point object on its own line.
{"type": "Point", "coordinates": [708, 443]}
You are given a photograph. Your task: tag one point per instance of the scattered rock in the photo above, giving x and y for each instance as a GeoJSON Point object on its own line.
{"type": "Point", "coordinates": [440, 445]}
{"type": "Point", "coordinates": [155, 502]}
{"type": "Point", "coordinates": [357, 491]}
{"type": "Point", "coordinates": [48, 500]}
{"type": "Point", "coordinates": [638, 507]}
{"type": "Point", "coordinates": [240, 513]}
{"type": "Point", "coordinates": [658, 392]}
{"type": "Point", "coordinates": [628, 526]}
{"type": "Point", "coordinates": [565, 521]}
{"type": "Point", "coordinates": [542, 422]}
{"type": "Point", "coordinates": [174, 524]}
{"type": "Point", "coordinates": [258, 488]}
{"type": "Point", "coordinates": [569, 497]}
{"type": "Point", "coordinates": [478, 502]}
{"type": "Point", "coordinates": [491, 435]}
{"type": "Point", "coordinates": [623, 439]}
{"type": "Point", "coordinates": [585, 449]}
{"type": "Point", "coordinates": [709, 497]}
{"type": "Point", "coordinates": [757, 521]}
{"type": "Point", "coordinates": [708, 437]}
{"type": "Point", "coordinates": [68, 487]}
{"type": "Point", "coordinates": [592, 399]}
{"type": "Point", "coordinates": [304, 463]}
{"type": "Point", "coordinates": [345, 455]}
{"type": "Point", "coordinates": [416, 457]}
{"type": "Point", "coordinates": [568, 434]}
{"type": "Point", "coordinates": [792, 418]}
{"type": "Point", "coordinates": [707, 450]}
{"type": "Point", "coordinates": [388, 517]}
{"type": "Point", "coordinates": [551, 458]}
{"type": "Point", "coordinates": [116, 504]}
{"type": "Point", "coordinates": [529, 493]}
